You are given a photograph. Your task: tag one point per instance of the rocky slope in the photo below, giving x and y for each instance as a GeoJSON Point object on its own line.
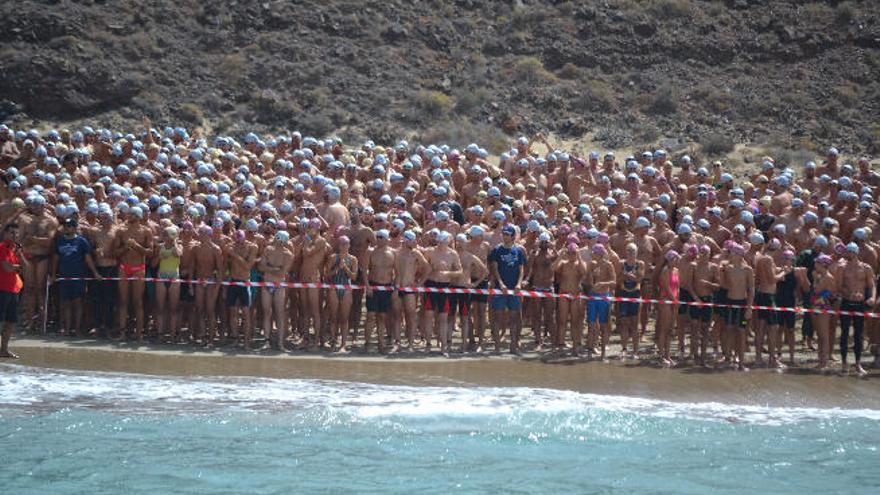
{"type": "Point", "coordinates": [626, 72]}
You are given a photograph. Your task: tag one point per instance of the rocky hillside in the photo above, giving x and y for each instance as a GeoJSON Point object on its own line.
{"type": "Point", "coordinates": [625, 72]}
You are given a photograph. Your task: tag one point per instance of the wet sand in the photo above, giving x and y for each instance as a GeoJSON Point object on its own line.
{"type": "Point", "coordinates": [792, 388]}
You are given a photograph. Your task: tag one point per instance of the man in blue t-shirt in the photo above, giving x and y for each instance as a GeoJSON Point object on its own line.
{"type": "Point", "coordinates": [72, 257]}
{"type": "Point", "coordinates": [506, 262]}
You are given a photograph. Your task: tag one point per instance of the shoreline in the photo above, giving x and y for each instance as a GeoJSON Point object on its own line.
{"type": "Point", "coordinates": [797, 387]}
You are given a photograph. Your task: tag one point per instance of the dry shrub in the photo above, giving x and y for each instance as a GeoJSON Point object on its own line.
{"type": "Point", "coordinates": [531, 70]}
{"type": "Point", "coordinates": [434, 103]}
{"type": "Point", "coordinates": [569, 71]}
{"type": "Point", "coordinates": [461, 132]}
{"type": "Point", "coordinates": [468, 99]}
{"type": "Point", "coordinates": [190, 112]}
{"type": "Point", "coordinates": [670, 9]}
{"type": "Point", "coordinates": [716, 144]}
{"type": "Point", "coordinates": [662, 102]}
{"type": "Point", "coordinates": [233, 68]}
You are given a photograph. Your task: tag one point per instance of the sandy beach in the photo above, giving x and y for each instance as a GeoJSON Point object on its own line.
{"type": "Point", "coordinates": [797, 387]}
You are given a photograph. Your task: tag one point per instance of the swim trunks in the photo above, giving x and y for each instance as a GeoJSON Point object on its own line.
{"type": "Point", "coordinates": [238, 295]}
{"type": "Point", "coordinates": [684, 297]}
{"type": "Point", "coordinates": [735, 316]}
{"type": "Point", "coordinates": [598, 309]}
{"type": "Point", "coordinates": [379, 301]}
{"type": "Point", "coordinates": [702, 313]}
{"type": "Point", "coordinates": [765, 299]}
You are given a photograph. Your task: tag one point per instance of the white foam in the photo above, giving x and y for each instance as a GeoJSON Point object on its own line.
{"type": "Point", "coordinates": [29, 388]}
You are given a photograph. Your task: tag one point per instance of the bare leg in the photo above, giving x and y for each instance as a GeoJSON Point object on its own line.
{"type": "Point", "coordinates": [499, 327]}
{"type": "Point", "coordinates": [409, 308]}
{"type": "Point", "coordinates": [278, 301]}
{"type": "Point", "coordinates": [161, 296]}
{"type": "Point", "coordinates": [344, 308]}
{"type": "Point", "coordinates": [5, 337]}
{"type": "Point", "coordinates": [266, 302]}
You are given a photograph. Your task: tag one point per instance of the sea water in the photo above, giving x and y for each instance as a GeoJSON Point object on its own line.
{"type": "Point", "coordinates": [88, 432]}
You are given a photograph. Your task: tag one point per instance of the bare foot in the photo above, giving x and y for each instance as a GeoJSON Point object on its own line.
{"type": "Point", "coordinates": [8, 354]}
{"type": "Point", "coordinates": [342, 350]}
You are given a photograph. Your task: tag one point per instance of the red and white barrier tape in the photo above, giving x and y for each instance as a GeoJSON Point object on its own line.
{"type": "Point", "coordinates": [486, 292]}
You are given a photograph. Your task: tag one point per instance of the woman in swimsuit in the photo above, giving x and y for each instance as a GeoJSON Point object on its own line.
{"type": "Point", "coordinates": [340, 268]}
{"type": "Point", "coordinates": [669, 286]}
{"type": "Point", "coordinates": [822, 297]}
{"type": "Point", "coordinates": [168, 293]}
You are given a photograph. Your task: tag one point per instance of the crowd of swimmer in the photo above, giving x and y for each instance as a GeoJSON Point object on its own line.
{"type": "Point", "coordinates": [193, 210]}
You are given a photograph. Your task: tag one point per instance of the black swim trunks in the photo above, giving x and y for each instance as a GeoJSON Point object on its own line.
{"type": "Point", "coordinates": [765, 299]}
{"type": "Point", "coordinates": [683, 298]}
{"type": "Point", "coordinates": [702, 313]}
{"type": "Point", "coordinates": [437, 301]}
{"type": "Point", "coordinates": [736, 316]}
{"type": "Point", "coordinates": [481, 298]}
{"type": "Point", "coordinates": [380, 301]}
{"type": "Point", "coordinates": [237, 295]}
{"type": "Point", "coordinates": [720, 298]}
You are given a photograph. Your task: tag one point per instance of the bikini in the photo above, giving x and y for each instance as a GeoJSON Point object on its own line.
{"type": "Point", "coordinates": [132, 270]}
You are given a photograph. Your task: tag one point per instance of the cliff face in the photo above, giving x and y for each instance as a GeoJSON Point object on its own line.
{"type": "Point", "coordinates": [629, 72]}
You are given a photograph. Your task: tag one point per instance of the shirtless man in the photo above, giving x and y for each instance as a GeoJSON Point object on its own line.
{"type": "Point", "coordinates": [362, 237]}
{"type": "Point", "coordinates": [477, 246]}
{"type": "Point", "coordinates": [858, 293]}
{"type": "Point", "coordinates": [541, 279]}
{"type": "Point", "coordinates": [632, 273]}
{"type": "Point", "coordinates": [335, 212]}
{"type": "Point", "coordinates": [275, 264]}
{"type": "Point", "coordinates": [686, 291]}
{"type": "Point", "coordinates": [378, 270]}
{"type": "Point", "coordinates": [103, 293]}
{"type": "Point", "coordinates": [241, 256]}
{"type": "Point", "coordinates": [207, 267]}
{"type": "Point", "coordinates": [411, 268]}
{"type": "Point", "coordinates": [473, 270]}
{"type": "Point", "coordinates": [704, 284]}
{"type": "Point", "coordinates": [649, 253]}
{"type": "Point", "coordinates": [739, 280]}
{"type": "Point", "coordinates": [570, 271]}
{"type": "Point", "coordinates": [602, 279]}
{"type": "Point", "coordinates": [132, 243]}
{"type": "Point", "coordinates": [767, 275]}
{"type": "Point", "coordinates": [445, 266]}
{"type": "Point", "coordinates": [314, 250]}
{"type": "Point", "coordinates": [38, 229]}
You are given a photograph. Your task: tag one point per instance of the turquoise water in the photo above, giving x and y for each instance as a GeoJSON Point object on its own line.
{"type": "Point", "coordinates": [78, 432]}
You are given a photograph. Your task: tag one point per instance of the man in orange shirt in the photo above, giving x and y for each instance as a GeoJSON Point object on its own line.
{"type": "Point", "coordinates": [10, 285]}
